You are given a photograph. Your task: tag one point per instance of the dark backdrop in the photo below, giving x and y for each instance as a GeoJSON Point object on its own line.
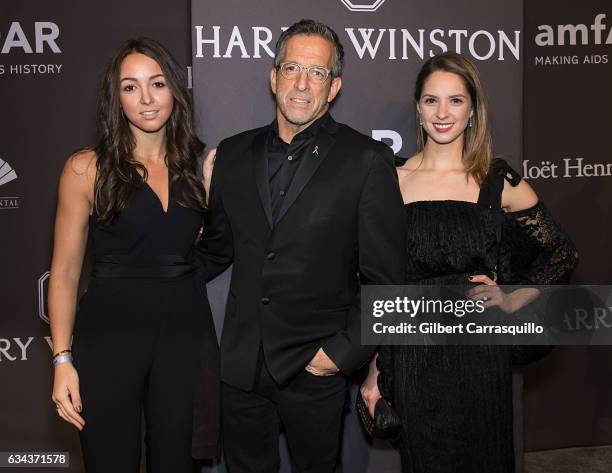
{"type": "Point", "coordinates": [567, 96]}
{"type": "Point", "coordinates": [561, 109]}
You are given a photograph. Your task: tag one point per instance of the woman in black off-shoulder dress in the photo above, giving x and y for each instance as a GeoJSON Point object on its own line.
{"type": "Point", "coordinates": [456, 401]}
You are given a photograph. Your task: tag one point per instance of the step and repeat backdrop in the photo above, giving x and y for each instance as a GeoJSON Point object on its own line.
{"type": "Point", "coordinates": [566, 157]}
{"type": "Point", "coordinates": [546, 67]}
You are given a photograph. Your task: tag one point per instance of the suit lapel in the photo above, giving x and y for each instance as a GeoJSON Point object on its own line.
{"type": "Point", "coordinates": [260, 168]}
{"type": "Point", "coordinates": [313, 158]}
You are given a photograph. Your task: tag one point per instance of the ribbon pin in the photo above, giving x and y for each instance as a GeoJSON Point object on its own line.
{"type": "Point", "coordinates": [316, 150]}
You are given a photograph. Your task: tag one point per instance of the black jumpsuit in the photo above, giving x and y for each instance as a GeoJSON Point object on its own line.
{"type": "Point", "coordinates": [144, 341]}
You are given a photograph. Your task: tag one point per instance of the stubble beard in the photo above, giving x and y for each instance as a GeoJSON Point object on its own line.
{"type": "Point", "coordinates": [297, 123]}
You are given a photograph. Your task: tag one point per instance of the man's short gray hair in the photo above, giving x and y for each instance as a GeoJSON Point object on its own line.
{"type": "Point", "coordinates": [311, 28]}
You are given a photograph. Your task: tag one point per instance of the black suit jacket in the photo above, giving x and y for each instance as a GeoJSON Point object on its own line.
{"type": "Point", "coordinates": [295, 284]}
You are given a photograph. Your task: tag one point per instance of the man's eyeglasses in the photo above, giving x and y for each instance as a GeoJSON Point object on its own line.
{"type": "Point", "coordinates": [290, 70]}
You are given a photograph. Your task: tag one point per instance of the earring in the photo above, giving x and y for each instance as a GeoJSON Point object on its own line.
{"type": "Point", "coordinates": [419, 117]}
{"type": "Point", "coordinates": [470, 122]}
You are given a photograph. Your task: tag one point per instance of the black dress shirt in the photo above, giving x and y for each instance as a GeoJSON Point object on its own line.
{"type": "Point", "coordinates": [284, 159]}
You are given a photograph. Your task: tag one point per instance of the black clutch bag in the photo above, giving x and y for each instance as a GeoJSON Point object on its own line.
{"type": "Point", "coordinates": [386, 424]}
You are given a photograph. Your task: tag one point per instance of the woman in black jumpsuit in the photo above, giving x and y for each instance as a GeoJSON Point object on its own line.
{"type": "Point", "coordinates": [144, 340]}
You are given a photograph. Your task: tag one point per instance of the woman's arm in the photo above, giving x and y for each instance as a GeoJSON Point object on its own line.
{"type": "Point", "coordinates": [215, 251]}
{"type": "Point", "coordinates": [71, 229]}
{"type": "Point", "coordinates": [534, 248]}
{"type": "Point", "coordinates": [207, 170]}
{"type": "Point", "coordinates": [369, 388]}
{"type": "Point", "coordinates": [519, 197]}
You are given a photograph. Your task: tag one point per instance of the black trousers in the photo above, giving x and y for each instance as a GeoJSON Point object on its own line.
{"type": "Point", "coordinates": [310, 410]}
{"type": "Point", "coordinates": [136, 346]}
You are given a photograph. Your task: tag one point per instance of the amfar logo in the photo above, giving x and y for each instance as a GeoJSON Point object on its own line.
{"type": "Point", "coordinates": [574, 35]}
{"type": "Point", "coordinates": [7, 174]}
{"type": "Point", "coordinates": [368, 6]}
{"type": "Point", "coordinates": [39, 40]}
{"type": "Point", "coordinates": [548, 36]}
{"type": "Point", "coordinates": [45, 34]}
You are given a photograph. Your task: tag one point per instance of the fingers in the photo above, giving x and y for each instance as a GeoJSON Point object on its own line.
{"type": "Point", "coordinates": [67, 407]}
{"type": "Point", "coordinates": [70, 414]}
{"type": "Point", "coordinates": [484, 289]}
{"type": "Point", "coordinates": [320, 372]}
{"type": "Point", "coordinates": [492, 300]}
{"type": "Point", "coordinates": [370, 397]}
{"type": "Point", "coordinates": [491, 295]}
{"type": "Point", "coordinates": [479, 292]}
{"type": "Point", "coordinates": [482, 292]}
{"type": "Point", "coordinates": [492, 303]}
{"type": "Point", "coordinates": [75, 396]}
{"type": "Point", "coordinates": [61, 413]}
{"type": "Point", "coordinates": [482, 278]}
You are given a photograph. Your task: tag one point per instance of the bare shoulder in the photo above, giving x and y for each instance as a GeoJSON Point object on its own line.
{"type": "Point", "coordinates": [411, 165]}
{"type": "Point", "coordinates": [79, 173]}
{"type": "Point", "coordinates": [82, 163]}
{"type": "Point", "coordinates": [519, 197]}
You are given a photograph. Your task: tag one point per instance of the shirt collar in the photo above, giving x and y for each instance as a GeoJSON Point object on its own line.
{"type": "Point", "coordinates": [308, 132]}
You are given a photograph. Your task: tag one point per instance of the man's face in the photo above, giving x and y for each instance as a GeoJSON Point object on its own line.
{"type": "Point", "coordinates": [302, 100]}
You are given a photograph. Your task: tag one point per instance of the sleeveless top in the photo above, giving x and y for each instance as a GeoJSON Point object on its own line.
{"type": "Point", "coordinates": [142, 236]}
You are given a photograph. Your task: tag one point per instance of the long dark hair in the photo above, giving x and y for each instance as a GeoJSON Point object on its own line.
{"type": "Point", "coordinates": [477, 152]}
{"type": "Point", "coordinates": [117, 169]}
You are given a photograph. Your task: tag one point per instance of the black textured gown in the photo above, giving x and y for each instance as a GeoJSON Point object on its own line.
{"type": "Point", "coordinates": [456, 401]}
{"type": "Point", "coordinates": [144, 342]}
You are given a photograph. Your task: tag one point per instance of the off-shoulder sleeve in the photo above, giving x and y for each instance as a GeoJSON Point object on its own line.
{"type": "Point", "coordinates": [534, 249]}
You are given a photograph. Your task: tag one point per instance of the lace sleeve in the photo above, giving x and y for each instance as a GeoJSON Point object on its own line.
{"type": "Point", "coordinates": [534, 249]}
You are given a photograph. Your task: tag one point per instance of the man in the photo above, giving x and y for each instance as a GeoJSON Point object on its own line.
{"type": "Point", "coordinates": [302, 205]}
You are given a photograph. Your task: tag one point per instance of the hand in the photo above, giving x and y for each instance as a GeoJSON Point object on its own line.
{"type": "Point", "coordinates": [369, 388]}
{"type": "Point", "coordinates": [66, 394]}
{"type": "Point", "coordinates": [207, 169]}
{"type": "Point", "coordinates": [490, 293]}
{"type": "Point", "coordinates": [322, 365]}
